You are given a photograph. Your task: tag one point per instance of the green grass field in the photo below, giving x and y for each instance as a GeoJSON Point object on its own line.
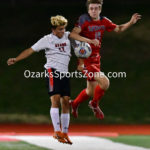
{"type": "Point", "coordinates": [136, 140]}
{"type": "Point", "coordinates": [19, 146]}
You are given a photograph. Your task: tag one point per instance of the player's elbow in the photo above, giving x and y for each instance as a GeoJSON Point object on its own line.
{"type": "Point", "coordinates": [72, 34]}
{"type": "Point", "coordinates": [118, 29]}
{"type": "Point", "coordinates": [76, 30]}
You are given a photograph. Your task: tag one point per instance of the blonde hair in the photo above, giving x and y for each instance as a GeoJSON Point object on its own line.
{"type": "Point", "coordinates": [58, 21]}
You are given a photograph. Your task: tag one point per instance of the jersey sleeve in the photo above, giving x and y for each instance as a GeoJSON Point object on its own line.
{"type": "Point", "coordinates": [67, 34]}
{"type": "Point", "coordinates": [110, 26]}
{"type": "Point", "coordinates": [40, 45]}
{"type": "Point", "coordinates": [81, 21]}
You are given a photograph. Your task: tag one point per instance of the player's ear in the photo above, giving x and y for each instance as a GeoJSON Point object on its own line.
{"type": "Point", "coordinates": [53, 30]}
{"type": "Point", "coordinates": [100, 8]}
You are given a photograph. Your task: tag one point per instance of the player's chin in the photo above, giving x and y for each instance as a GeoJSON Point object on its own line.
{"type": "Point", "coordinates": [61, 35]}
{"type": "Point", "coordinates": [94, 17]}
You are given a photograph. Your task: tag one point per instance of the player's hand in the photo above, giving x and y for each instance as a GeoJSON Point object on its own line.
{"type": "Point", "coordinates": [135, 17]}
{"type": "Point", "coordinates": [80, 67]}
{"type": "Point", "coordinates": [95, 42]}
{"type": "Point", "coordinates": [11, 61]}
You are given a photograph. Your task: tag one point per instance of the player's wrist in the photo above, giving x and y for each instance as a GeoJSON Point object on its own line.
{"type": "Point", "coordinates": [131, 22]}
{"type": "Point", "coordinates": [16, 60]}
{"type": "Point", "coordinates": [88, 41]}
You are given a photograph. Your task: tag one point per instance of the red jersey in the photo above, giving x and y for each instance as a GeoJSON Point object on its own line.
{"type": "Point", "coordinates": [94, 30]}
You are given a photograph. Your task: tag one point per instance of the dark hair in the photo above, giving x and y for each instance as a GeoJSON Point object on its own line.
{"type": "Point", "coordinates": [93, 2]}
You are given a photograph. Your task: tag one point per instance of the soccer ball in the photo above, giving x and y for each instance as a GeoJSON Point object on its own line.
{"type": "Point", "coordinates": [82, 49]}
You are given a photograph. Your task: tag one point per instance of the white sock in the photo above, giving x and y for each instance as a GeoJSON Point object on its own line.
{"type": "Point", "coordinates": [65, 119]}
{"type": "Point", "coordinates": [54, 113]}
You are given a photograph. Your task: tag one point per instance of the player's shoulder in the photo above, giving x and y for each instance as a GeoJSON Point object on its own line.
{"type": "Point", "coordinates": [66, 34]}
{"type": "Point", "coordinates": [83, 18]}
{"type": "Point", "coordinates": [104, 18]}
{"type": "Point", "coordinates": [44, 37]}
{"type": "Point", "coordinates": [47, 38]}
{"type": "Point", "coordinates": [47, 35]}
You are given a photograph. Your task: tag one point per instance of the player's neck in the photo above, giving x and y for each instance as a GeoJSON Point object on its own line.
{"type": "Point", "coordinates": [96, 19]}
{"type": "Point", "coordinates": [56, 35]}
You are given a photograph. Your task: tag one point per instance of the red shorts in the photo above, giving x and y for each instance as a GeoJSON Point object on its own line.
{"type": "Point", "coordinates": [92, 65]}
{"type": "Point", "coordinates": [90, 70]}
{"type": "Point", "coordinates": [92, 60]}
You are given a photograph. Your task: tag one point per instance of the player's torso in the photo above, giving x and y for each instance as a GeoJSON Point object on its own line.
{"type": "Point", "coordinates": [58, 52]}
{"type": "Point", "coordinates": [93, 30]}
{"type": "Point", "coordinates": [58, 45]}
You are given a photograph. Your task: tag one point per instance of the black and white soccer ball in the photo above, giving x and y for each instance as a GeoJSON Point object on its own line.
{"type": "Point", "coordinates": [82, 49]}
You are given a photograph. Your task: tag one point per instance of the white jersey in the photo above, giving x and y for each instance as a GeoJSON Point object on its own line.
{"type": "Point", "coordinates": [57, 51]}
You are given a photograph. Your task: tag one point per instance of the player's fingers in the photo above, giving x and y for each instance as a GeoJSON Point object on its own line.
{"type": "Point", "coordinates": [135, 14]}
{"type": "Point", "coordinates": [11, 61]}
{"type": "Point", "coordinates": [96, 42]}
{"type": "Point", "coordinates": [139, 17]}
{"type": "Point", "coordinates": [8, 61]}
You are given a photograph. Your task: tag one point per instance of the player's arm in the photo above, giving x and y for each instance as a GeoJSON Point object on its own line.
{"type": "Point", "coordinates": [76, 36]}
{"type": "Point", "coordinates": [135, 17]}
{"type": "Point", "coordinates": [77, 30]}
{"type": "Point", "coordinates": [26, 53]}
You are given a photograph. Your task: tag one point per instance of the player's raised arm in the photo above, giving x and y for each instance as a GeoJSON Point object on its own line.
{"type": "Point", "coordinates": [135, 17]}
{"type": "Point", "coordinates": [26, 53]}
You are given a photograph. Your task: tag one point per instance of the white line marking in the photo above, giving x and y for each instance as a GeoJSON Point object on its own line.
{"type": "Point", "coordinates": [79, 143]}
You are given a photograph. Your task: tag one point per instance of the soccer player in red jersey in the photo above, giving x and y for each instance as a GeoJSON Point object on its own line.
{"type": "Point", "coordinates": [93, 26]}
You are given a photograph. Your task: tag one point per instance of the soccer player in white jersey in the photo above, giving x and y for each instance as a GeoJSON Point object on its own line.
{"type": "Point", "coordinates": [57, 49]}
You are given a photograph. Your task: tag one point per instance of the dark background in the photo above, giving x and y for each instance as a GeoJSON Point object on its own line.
{"type": "Point", "coordinates": [23, 22]}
